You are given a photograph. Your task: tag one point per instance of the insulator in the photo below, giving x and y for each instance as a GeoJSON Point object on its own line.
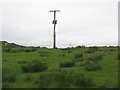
{"type": "Point", "coordinates": [54, 21]}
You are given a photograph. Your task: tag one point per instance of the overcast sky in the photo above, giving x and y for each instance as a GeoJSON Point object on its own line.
{"type": "Point", "coordinates": [80, 22]}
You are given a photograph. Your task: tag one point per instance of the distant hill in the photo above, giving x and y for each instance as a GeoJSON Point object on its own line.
{"type": "Point", "coordinates": [5, 44]}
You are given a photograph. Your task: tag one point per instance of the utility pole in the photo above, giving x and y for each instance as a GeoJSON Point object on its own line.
{"type": "Point", "coordinates": [54, 22]}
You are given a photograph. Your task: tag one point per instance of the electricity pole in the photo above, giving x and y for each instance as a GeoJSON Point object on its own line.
{"type": "Point", "coordinates": [54, 22]}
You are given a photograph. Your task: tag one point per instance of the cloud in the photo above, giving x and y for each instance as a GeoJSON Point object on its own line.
{"type": "Point", "coordinates": [89, 23]}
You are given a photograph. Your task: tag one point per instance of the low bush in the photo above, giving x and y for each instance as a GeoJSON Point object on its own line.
{"type": "Point", "coordinates": [35, 66]}
{"type": "Point", "coordinates": [22, 62]}
{"type": "Point", "coordinates": [25, 68]}
{"type": "Point", "coordinates": [69, 51]}
{"type": "Point", "coordinates": [8, 76]}
{"type": "Point", "coordinates": [82, 63]}
{"type": "Point", "coordinates": [6, 49]}
{"type": "Point", "coordinates": [44, 53]}
{"type": "Point", "coordinates": [82, 46]}
{"type": "Point", "coordinates": [6, 85]}
{"type": "Point", "coordinates": [28, 78]}
{"type": "Point", "coordinates": [18, 49]}
{"type": "Point", "coordinates": [62, 79]}
{"type": "Point", "coordinates": [79, 57]}
{"type": "Point", "coordinates": [113, 49]}
{"type": "Point", "coordinates": [96, 57]}
{"type": "Point", "coordinates": [29, 49]}
{"type": "Point", "coordinates": [14, 50]}
{"type": "Point", "coordinates": [67, 64]}
{"type": "Point", "coordinates": [91, 66]}
{"type": "Point", "coordinates": [118, 56]}
{"type": "Point", "coordinates": [54, 79]}
{"type": "Point", "coordinates": [82, 80]}
{"type": "Point", "coordinates": [92, 49]}
{"type": "Point", "coordinates": [62, 55]}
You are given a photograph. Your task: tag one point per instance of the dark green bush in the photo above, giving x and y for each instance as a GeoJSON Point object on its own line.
{"type": "Point", "coordinates": [6, 49]}
{"type": "Point", "coordinates": [82, 46]}
{"type": "Point", "coordinates": [6, 85]}
{"type": "Point", "coordinates": [91, 66]}
{"type": "Point", "coordinates": [29, 49]}
{"type": "Point", "coordinates": [14, 50]}
{"type": "Point", "coordinates": [61, 79]}
{"type": "Point", "coordinates": [118, 56]}
{"type": "Point", "coordinates": [18, 49]}
{"type": "Point", "coordinates": [22, 62]}
{"type": "Point", "coordinates": [54, 79]}
{"type": "Point", "coordinates": [62, 55]}
{"type": "Point", "coordinates": [25, 68]}
{"type": "Point", "coordinates": [67, 64]}
{"type": "Point", "coordinates": [44, 53]}
{"type": "Point", "coordinates": [96, 57]}
{"type": "Point", "coordinates": [69, 51]}
{"type": "Point", "coordinates": [92, 49]}
{"type": "Point", "coordinates": [35, 66]}
{"type": "Point", "coordinates": [113, 49]}
{"type": "Point", "coordinates": [64, 49]}
{"type": "Point", "coordinates": [79, 57]}
{"type": "Point", "coordinates": [8, 76]}
{"type": "Point", "coordinates": [82, 80]}
{"type": "Point", "coordinates": [28, 78]}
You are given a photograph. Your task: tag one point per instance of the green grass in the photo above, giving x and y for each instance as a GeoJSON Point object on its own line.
{"type": "Point", "coordinates": [105, 77]}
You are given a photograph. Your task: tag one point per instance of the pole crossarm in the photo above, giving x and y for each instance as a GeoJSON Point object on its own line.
{"type": "Point", "coordinates": [54, 10]}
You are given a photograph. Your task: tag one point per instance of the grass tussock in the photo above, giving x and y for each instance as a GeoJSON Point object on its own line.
{"type": "Point", "coordinates": [8, 76]}
{"type": "Point", "coordinates": [35, 66]}
{"type": "Point", "coordinates": [62, 79]}
{"type": "Point", "coordinates": [91, 66]}
{"type": "Point", "coordinates": [67, 64]}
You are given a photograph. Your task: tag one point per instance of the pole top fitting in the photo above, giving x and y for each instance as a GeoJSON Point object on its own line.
{"type": "Point", "coordinates": [54, 10]}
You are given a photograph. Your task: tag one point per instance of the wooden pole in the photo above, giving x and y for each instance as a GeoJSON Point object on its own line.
{"type": "Point", "coordinates": [54, 22]}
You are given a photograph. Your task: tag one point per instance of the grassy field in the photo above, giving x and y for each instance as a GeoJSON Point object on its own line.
{"type": "Point", "coordinates": [79, 67]}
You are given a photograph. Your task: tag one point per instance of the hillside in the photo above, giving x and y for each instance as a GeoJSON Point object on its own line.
{"type": "Point", "coordinates": [78, 67]}
{"type": "Point", "coordinates": [6, 44]}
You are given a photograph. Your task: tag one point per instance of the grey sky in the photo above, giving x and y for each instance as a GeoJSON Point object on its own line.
{"type": "Point", "coordinates": [29, 22]}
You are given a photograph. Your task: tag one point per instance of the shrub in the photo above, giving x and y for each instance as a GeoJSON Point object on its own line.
{"type": "Point", "coordinates": [82, 46]}
{"type": "Point", "coordinates": [91, 66]}
{"type": "Point", "coordinates": [6, 49]}
{"type": "Point", "coordinates": [8, 76]}
{"type": "Point", "coordinates": [92, 49]}
{"type": "Point", "coordinates": [44, 53]}
{"type": "Point", "coordinates": [67, 64]}
{"type": "Point", "coordinates": [6, 85]}
{"type": "Point", "coordinates": [69, 51]}
{"type": "Point", "coordinates": [82, 80]}
{"type": "Point", "coordinates": [79, 56]}
{"type": "Point", "coordinates": [118, 56]}
{"type": "Point", "coordinates": [54, 79]}
{"type": "Point", "coordinates": [35, 66]}
{"type": "Point", "coordinates": [61, 79]}
{"type": "Point", "coordinates": [18, 49]}
{"type": "Point", "coordinates": [62, 55]}
{"type": "Point", "coordinates": [22, 62]}
{"type": "Point", "coordinates": [82, 63]}
{"type": "Point", "coordinates": [27, 78]}
{"type": "Point", "coordinates": [29, 49]}
{"type": "Point", "coordinates": [14, 50]}
{"type": "Point", "coordinates": [96, 57]}
{"type": "Point", "coordinates": [25, 68]}
{"type": "Point", "coordinates": [64, 49]}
